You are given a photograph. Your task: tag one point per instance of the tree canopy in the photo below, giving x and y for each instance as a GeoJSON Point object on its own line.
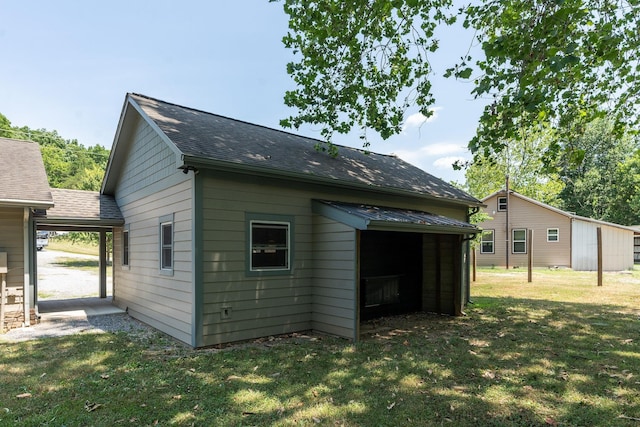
{"type": "Point", "coordinates": [68, 163]}
{"type": "Point", "coordinates": [554, 64]}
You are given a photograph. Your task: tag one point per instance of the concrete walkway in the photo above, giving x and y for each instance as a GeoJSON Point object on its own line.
{"type": "Point", "coordinates": [52, 310]}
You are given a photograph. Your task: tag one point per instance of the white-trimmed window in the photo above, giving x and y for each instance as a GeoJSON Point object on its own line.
{"type": "Point", "coordinates": [519, 240]}
{"type": "Point", "coordinates": [553, 235]}
{"type": "Point", "coordinates": [487, 242]}
{"type": "Point", "coordinates": [502, 204]}
{"type": "Point", "coordinates": [125, 246]}
{"type": "Point", "coordinates": [270, 245]}
{"type": "Point", "coordinates": [166, 244]}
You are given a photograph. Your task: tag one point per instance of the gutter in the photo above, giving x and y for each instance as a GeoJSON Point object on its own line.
{"type": "Point", "coordinates": [23, 203]}
{"type": "Point", "coordinates": [190, 162]}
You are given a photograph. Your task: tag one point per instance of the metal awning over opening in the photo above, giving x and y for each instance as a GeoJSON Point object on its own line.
{"type": "Point", "coordinates": [368, 217]}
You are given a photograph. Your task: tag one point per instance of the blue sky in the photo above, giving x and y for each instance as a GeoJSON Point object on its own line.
{"type": "Point", "coordinates": [67, 66]}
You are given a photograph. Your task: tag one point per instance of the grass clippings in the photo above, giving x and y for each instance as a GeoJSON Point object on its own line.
{"type": "Point", "coordinates": [556, 352]}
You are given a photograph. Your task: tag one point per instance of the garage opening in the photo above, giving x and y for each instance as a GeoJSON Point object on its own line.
{"type": "Point", "coordinates": [390, 273]}
{"type": "Point", "coordinates": [402, 273]}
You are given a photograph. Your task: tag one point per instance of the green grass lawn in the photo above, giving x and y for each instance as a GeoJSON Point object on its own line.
{"type": "Point", "coordinates": [556, 352]}
{"type": "Point", "coordinates": [76, 248]}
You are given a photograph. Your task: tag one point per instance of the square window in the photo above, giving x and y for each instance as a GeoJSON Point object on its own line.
{"type": "Point", "coordinates": [502, 204]}
{"type": "Point", "coordinates": [486, 243]}
{"type": "Point", "coordinates": [269, 245]}
{"type": "Point", "coordinates": [553, 235]}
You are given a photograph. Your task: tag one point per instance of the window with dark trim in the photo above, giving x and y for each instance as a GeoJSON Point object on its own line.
{"type": "Point", "coordinates": [166, 244]}
{"type": "Point", "coordinates": [125, 247]}
{"type": "Point", "coordinates": [502, 204]}
{"type": "Point", "coordinates": [553, 235]}
{"type": "Point", "coordinates": [519, 240]}
{"type": "Point", "coordinates": [270, 245]}
{"type": "Point", "coordinates": [487, 241]}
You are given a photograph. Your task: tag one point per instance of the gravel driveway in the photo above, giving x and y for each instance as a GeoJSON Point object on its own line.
{"type": "Point", "coordinates": [55, 281]}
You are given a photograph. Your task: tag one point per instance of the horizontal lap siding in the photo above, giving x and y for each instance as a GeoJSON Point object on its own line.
{"type": "Point", "coordinates": [335, 278]}
{"type": "Point", "coordinates": [258, 306]}
{"type": "Point", "coordinates": [12, 242]}
{"type": "Point", "coordinates": [150, 188]}
{"type": "Point", "coordinates": [526, 215]}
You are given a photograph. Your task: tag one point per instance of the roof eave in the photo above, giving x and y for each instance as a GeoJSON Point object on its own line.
{"type": "Point", "coordinates": [225, 166]}
{"type": "Point", "coordinates": [421, 228]}
{"type": "Point", "coordinates": [18, 203]}
{"type": "Point", "coordinates": [80, 221]}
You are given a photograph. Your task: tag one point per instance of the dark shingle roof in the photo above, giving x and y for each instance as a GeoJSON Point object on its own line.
{"type": "Point", "coordinates": [86, 206]}
{"type": "Point", "coordinates": [202, 136]}
{"type": "Point", "coordinates": [23, 179]}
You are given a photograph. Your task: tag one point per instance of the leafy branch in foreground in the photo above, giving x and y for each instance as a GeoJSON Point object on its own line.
{"type": "Point", "coordinates": [546, 63]}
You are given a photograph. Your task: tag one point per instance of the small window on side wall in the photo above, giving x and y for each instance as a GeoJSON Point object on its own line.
{"type": "Point", "coordinates": [166, 244]}
{"type": "Point", "coordinates": [502, 204]}
{"type": "Point", "coordinates": [487, 241]}
{"type": "Point", "coordinates": [125, 247]}
{"type": "Point", "coordinates": [553, 235]}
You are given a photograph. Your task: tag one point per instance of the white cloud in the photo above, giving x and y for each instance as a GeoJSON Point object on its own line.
{"type": "Point", "coordinates": [418, 119]}
{"type": "Point", "coordinates": [447, 162]}
{"type": "Point", "coordinates": [443, 148]}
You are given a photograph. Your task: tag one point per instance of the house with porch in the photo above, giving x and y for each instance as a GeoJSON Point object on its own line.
{"type": "Point", "coordinates": [234, 231]}
{"type": "Point", "coordinates": [27, 204]}
{"type": "Point", "coordinates": [24, 188]}
{"type": "Point", "coordinates": [559, 238]}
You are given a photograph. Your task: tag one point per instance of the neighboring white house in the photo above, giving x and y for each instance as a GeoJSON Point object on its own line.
{"type": "Point", "coordinates": [560, 238]}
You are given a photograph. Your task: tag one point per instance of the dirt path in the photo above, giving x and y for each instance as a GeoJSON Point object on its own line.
{"type": "Point", "coordinates": [57, 281]}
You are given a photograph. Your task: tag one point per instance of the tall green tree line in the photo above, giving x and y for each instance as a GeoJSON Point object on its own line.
{"type": "Point", "coordinates": [68, 163]}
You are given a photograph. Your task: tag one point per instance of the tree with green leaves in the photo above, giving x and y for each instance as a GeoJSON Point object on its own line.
{"type": "Point", "coordinates": [68, 163]}
{"type": "Point", "coordinates": [555, 64]}
{"type": "Point", "coordinates": [523, 161]}
{"type": "Point", "coordinates": [594, 171]}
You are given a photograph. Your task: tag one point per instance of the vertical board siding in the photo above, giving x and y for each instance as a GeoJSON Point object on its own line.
{"type": "Point", "coordinates": [335, 278]}
{"type": "Point", "coordinates": [12, 242]}
{"type": "Point", "coordinates": [439, 264]}
{"type": "Point", "coordinates": [617, 247]}
{"type": "Point", "coordinates": [151, 187]}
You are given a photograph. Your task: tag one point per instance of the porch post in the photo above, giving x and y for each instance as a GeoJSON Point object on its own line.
{"type": "Point", "coordinates": [103, 264]}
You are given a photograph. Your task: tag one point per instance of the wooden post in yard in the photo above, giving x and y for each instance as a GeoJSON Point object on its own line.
{"type": "Point", "coordinates": [473, 264]}
{"type": "Point", "coordinates": [3, 291]}
{"type": "Point", "coordinates": [530, 256]}
{"type": "Point", "coordinates": [599, 240]}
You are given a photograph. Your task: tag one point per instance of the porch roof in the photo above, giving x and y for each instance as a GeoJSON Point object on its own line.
{"type": "Point", "coordinates": [80, 210]}
{"type": "Point", "coordinates": [382, 218]}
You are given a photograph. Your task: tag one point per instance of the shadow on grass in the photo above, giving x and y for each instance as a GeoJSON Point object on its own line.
{"type": "Point", "coordinates": [508, 362]}
{"type": "Point", "coordinates": [76, 263]}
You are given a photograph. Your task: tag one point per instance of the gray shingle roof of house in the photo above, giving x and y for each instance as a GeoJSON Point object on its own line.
{"type": "Point", "coordinates": [203, 137]}
{"type": "Point", "coordinates": [83, 207]}
{"type": "Point", "coordinates": [23, 179]}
